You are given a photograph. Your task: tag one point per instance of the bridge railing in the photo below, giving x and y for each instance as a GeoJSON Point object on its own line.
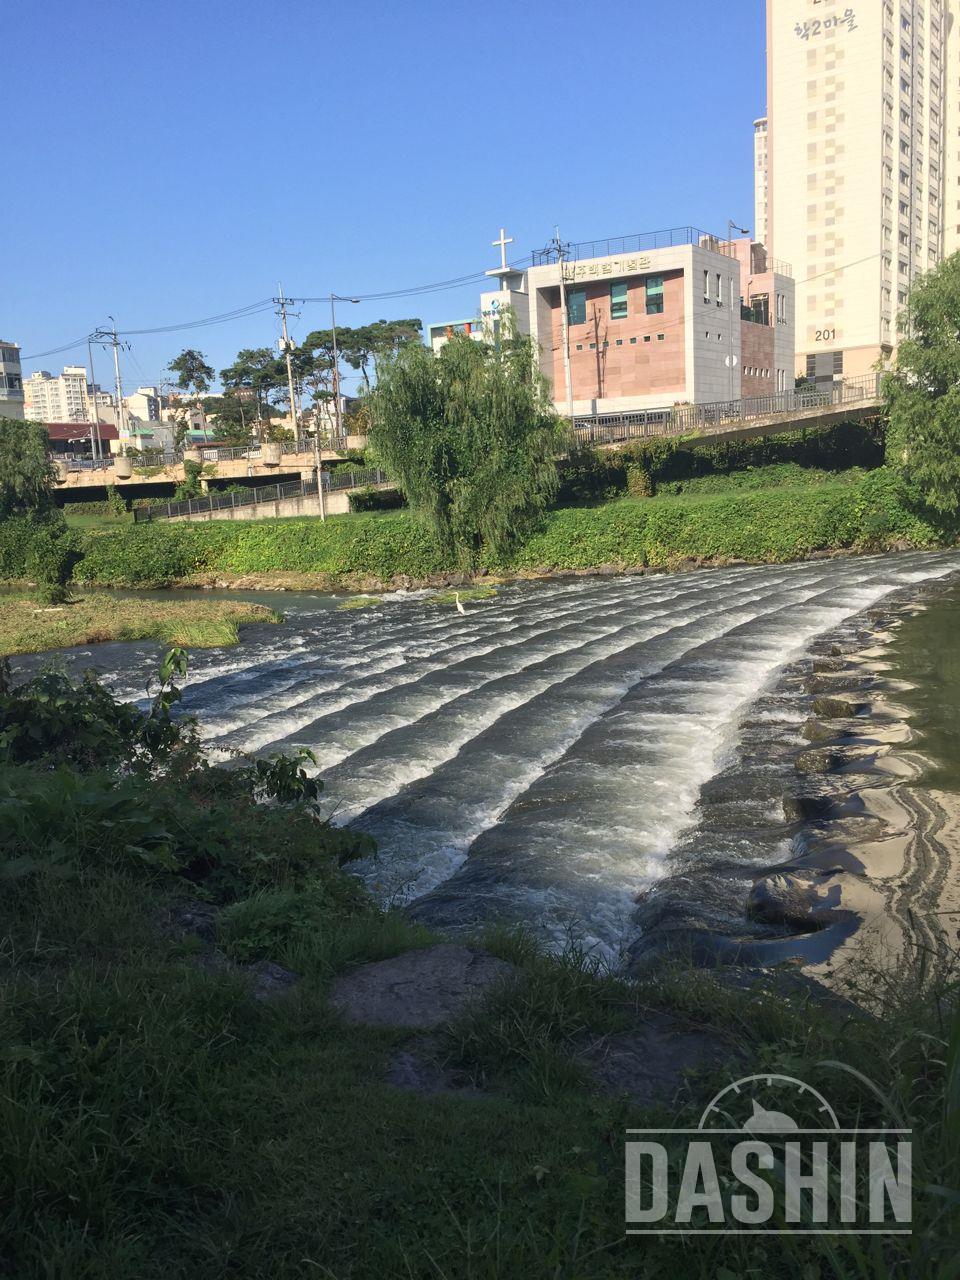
{"type": "Point", "coordinates": [679, 420]}
{"type": "Point", "coordinates": [208, 452]}
{"type": "Point", "coordinates": [339, 480]}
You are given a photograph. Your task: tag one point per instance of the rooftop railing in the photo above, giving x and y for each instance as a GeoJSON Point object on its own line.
{"type": "Point", "coordinates": [643, 242]}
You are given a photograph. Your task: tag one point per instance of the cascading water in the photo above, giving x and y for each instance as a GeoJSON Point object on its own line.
{"type": "Point", "coordinates": [538, 759]}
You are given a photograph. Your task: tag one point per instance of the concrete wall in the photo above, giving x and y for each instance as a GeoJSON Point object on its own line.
{"type": "Point", "coordinates": [335, 504]}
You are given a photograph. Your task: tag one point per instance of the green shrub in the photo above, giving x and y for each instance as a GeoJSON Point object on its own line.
{"type": "Point", "coordinates": [157, 554]}
{"type": "Point", "coordinates": [370, 499]}
{"type": "Point", "coordinates": [639, 482]}
{"type": "Point", "coordinates": [269, 924]}
{"type": "Point", "coordinates": [52, 556]}
{"type": "Point", "coordinates": [16, 536]}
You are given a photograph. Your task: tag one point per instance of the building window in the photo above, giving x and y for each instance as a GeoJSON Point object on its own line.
{"type": "Point", "coordinates": [618, 300]}
{"type": "Point", "coordinates": [633, 342]}
{"type": "Point", "coordinates": [647, 338]}
{"type": "Point", "coordinates": [706, 286]}
{"type": "Point", "coordinates": [619, 342]}
{"type": "Point", "coordinates": [660, 337]}
{"type": "Point", "coordinates": [577, 306]}
{"type": "Point", "coordinates": [654, 291]}
{"type": "Point", "coordinates": [719, 289]}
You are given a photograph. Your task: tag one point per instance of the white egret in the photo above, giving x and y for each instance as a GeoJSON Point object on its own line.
{"type": "Point", "coordinates": [456, 597]}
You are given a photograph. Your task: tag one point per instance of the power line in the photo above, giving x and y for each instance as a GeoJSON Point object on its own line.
{"type": "Point", "coordinates": [254, 308]}
{"type": "Point", "coordinates": [55, 351]}
{"type": "Point", "coordinates": [267, 304]}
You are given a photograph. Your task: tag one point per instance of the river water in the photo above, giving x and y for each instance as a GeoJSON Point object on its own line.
{"type": "Point", "coordinates": [540, 759]}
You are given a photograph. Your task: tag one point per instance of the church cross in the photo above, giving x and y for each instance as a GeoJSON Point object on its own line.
{"type": "Point", "coordinates": [501, 244]}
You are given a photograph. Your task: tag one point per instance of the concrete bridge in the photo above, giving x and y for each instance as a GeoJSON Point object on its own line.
{"type": "Point", "coordinates": [145, 472]}
{"type": "Point", "coordinates": [847, 401]}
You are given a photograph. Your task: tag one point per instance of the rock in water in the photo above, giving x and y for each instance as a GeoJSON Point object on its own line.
{"type": "Point", "coordinates": [418, 989]}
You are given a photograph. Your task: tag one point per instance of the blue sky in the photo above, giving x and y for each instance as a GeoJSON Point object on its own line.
{"type": "Point", "coordinates": [195, 154]}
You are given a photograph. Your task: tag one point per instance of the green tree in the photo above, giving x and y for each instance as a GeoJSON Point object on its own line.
{"type": "Point", "coordinates": [471, 437]}
{"type": "Point", "coordinates": [193, 375]}
{"type": "Point", "coordinates": [367, 345]}
{"type": "Point", "coordinates": [256, 371]}
{"type": "Point", "coordinates": [26, 473]}
{"type": "Point", "coordinates": [923, 392]}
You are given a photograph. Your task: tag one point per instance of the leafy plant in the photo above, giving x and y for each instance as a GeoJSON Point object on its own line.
{"type": "Point", "coordinates": [26, 473]}
{"type": "Point", "coordinates": [923, 392]}
{"type": "Point", "coordinates": [51, 558]}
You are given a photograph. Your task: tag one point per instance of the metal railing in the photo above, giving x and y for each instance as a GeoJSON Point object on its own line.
{"type": "Point", "coordinates": [678, 420]}
{"type": "Point", "coordinates": [208, 452]}
{"type": "Point", "coordinates": [338, 480]}
{"type": "Point", "coordinates": [643, 242]}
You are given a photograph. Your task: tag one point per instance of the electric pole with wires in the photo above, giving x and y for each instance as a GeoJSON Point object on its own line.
{"type": "Point", "coordinates": [282, 303]}
{"type": "Point", "coordinates": [565, 323]}
{"type": "Point", "coordinates": [109, 338]}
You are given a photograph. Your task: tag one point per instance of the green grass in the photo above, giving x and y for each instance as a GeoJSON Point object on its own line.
{"type": "Point", "coordinates": [77, 518]}
{"type": "Point", "coordinates": [465, 594]}
{"type": "Point", "coordinates": [358, 602]}
{"type": "Point", "coordinates": [29, 627]}
{"type": "Point", "coordinates": [157, 1121]}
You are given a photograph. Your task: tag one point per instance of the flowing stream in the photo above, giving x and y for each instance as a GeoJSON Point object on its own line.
{"type": "Point", "coordinates": [539, 758]}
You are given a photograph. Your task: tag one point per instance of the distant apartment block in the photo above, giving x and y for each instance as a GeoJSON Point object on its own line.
{"type": "Point", "coordinates": [11, 381]}
{"type": "Point", "coordinates": [863, 165]}
{"type": "Point", "coordinates": [653, 320]}
{"type": "Point", "coordinates": [58, 398]}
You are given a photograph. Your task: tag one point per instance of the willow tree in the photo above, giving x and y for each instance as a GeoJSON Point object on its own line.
{"type": "Point", "coordinates": [923, 392]}
{"type": "Point", "coordinates": [26, 473]}
{"type": "Point", "coordinates": [471, 437]}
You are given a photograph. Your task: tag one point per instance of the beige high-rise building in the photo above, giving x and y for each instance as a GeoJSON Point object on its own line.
{"type": "Point", "coordinates": [862, 165]}
{"type": "Point", "coordinates": [761, 201]}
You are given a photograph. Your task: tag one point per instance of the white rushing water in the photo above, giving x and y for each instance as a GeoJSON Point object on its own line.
{"type": "Point", "coordinates": [538, 758]}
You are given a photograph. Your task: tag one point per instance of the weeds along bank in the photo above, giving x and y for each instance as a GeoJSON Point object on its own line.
{"type": "Point", "coordinates": [870, 511]}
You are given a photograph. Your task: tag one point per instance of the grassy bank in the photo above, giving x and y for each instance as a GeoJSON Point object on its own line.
{"type": "Point", "coordinates": [780, 523]}
{"type": "Point", "coordinates": [158, 1120]}
{"type": "Point", "coordinates": [28, 627]}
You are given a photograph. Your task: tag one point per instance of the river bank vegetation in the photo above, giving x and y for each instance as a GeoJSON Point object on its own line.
{"type": "Point", "coordinates": [26, 626]}
{"type": "Point", "coordinates": [164, 1112]}
{"type": "Point", "coordinates": [856, 512]}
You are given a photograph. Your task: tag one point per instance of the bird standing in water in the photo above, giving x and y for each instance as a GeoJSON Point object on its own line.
{"type": "Point", "coordinates": [456, 597]}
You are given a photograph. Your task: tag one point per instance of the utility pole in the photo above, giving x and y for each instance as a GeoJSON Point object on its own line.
{"type": "Point", "coordinates": [282, 304]}
{"type": "Point", "coordinates": [337, 415]}
{"type": "Point", "coordinates": [318, 463]}
{"type": "Point", "coordinates": [565, 323]}
{"type": "Point", "coordinates": [96, 444]}
{"type": "Point", "coordinates": [110, 338]}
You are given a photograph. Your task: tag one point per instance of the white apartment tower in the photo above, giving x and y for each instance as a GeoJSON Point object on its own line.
{"type": "Point", "coordinates": [62, 398]}
{"type": "Point", "coordinates": [862, 165]}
